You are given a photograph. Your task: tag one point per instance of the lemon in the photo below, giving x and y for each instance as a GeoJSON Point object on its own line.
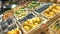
{"type": "Point", "coordinates": [51, 14]}
{"type": "Point", "coordinates": [17, 30]}
{"type": "Point", "coordinates": [12, 32]}
{"type": "Point", "coordinates": [54, 5]}
{"type": "Point", "coordinates": [38, 19]}
{"type": "Point", "coordinates": [30, 22]}
{"type": "Point", "coordinates": [33, 26]}
{"type": "Point", "coordinates": [45, 14]}
{"type": "Point", "coordinates": [27, 28]}
{"type": "Point", "coordinates": [50, 7]}
{"type": "Point", "coordinates": [25, 23]}
{"type": "Point", "coordinates": [36, 24]}
{"type": "Point", "coordinates": [55, 10]}
{"type": "Point", "coordinates": [34, 19]}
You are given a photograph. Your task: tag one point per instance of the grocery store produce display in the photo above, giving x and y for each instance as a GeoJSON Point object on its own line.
{"type": "Point", "coordinates": [51, 11]}
{"type": "Point", "coordinates": [31, 23]}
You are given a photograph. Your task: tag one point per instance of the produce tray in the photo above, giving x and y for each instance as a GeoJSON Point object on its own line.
{"type": "Point", "coordinates": [30, 17]}
{"type": "Point", "coordinates": [8, 25]}
{"type": "Point", "coordinates": [57, 12]}
{"type": "Point", "coordinates": [42, 8]}
{"type": "Point", "coordinates": [22, 14]}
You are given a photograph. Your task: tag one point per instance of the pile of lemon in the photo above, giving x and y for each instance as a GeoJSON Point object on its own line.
{"type": "Point", "coordinates": [31, 23]}
{"type": "Point", "coordinates": [15, 31]}
{"type": "Point", "coordinates": [52, 10]}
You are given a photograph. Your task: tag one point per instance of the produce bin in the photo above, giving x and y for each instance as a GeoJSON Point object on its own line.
{"type": "Point", "coordinates": [9, 26]}
{"type": "Point", "coordinates": [30, 25]}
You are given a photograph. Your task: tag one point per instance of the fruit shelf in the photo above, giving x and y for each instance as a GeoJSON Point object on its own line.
{"type": "Point", "coordinates": [27, 24]}
{"type": "Point", "coordinates": [41, 4]}
{"type": "Point", "coordinates": [48, 24]}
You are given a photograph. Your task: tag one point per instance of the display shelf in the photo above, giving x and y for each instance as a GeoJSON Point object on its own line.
{"type": "Point", "coordinates": [33, 22]}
